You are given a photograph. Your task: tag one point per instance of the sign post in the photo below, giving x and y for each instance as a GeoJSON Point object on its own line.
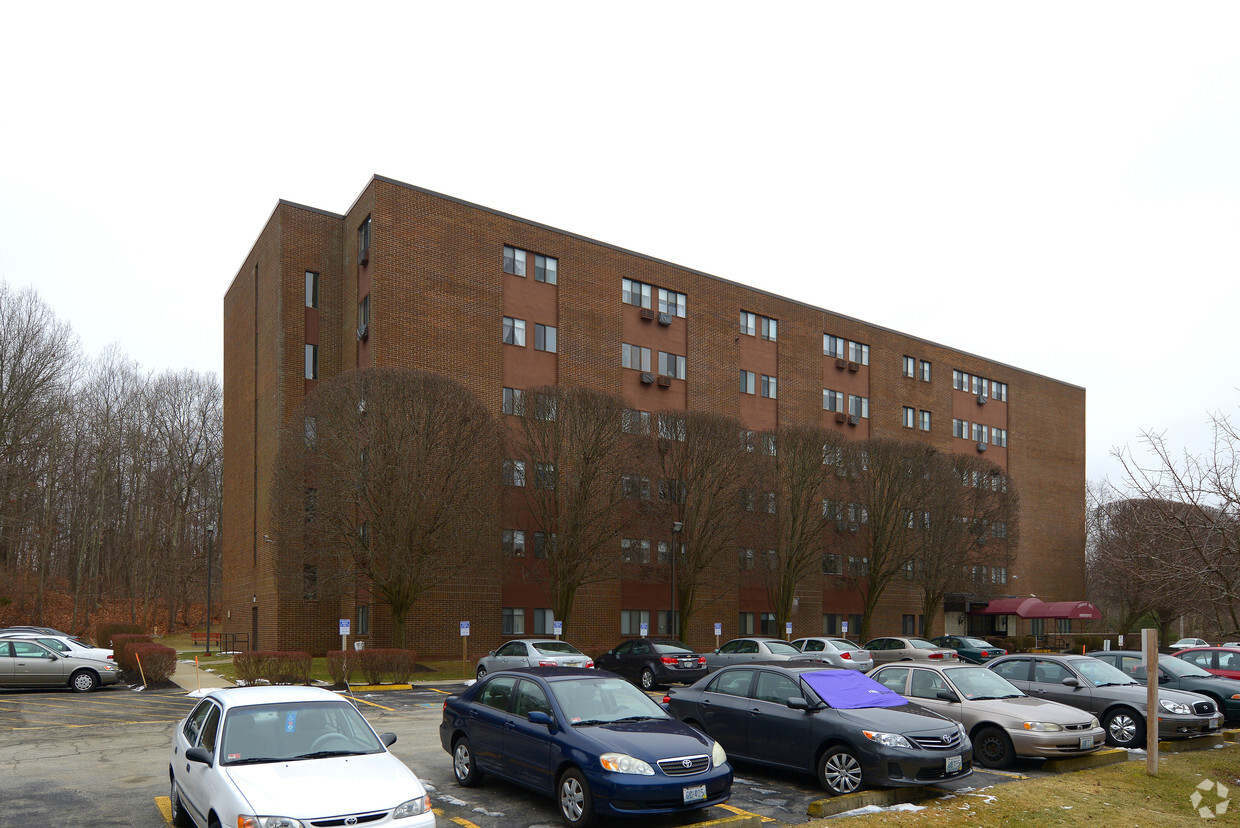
{"type": "Point", "coordinates": [718, 632]}
{"type": "Point", "coordinates": [1149, 653]}
{"type": "Point", "coordinates": [344, 633]}
{"type": "Point", "coordinates": [788, 629]}
{"type": "Point", "coordinates": [465, 649]}
{"type": "Point", "coordinates": [559, 629]}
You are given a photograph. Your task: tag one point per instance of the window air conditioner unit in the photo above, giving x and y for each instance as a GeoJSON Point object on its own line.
{"type": "Point", "coordinates": [981, 446]}
{"type": "Point", "coordinates": [647, 378]}
{"type": "Point", "coordinates": [854, 367]}
{"type": "Point", "coordinates": [841, 363]}
{"type": "Point", "coordinates": [647, 314]}
{"type": "Point", "coordinates": [363, 331]}
{"type": "Point", "coordinates": [841, 417]}
{"type": "Point", "coordinates": [981, 399]}
{"type": "Point", "coordinates": [665, 319]}
{"type": "Point", "coordinates": [854, 420]}
{"type": "Point", "coordinates": [666, 382]}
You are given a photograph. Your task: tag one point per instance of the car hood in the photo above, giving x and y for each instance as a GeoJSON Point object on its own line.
{"type": "Point", "coordinates": [326, 787]}
{"type": "Point", "coordinates": [907, 718]}
{"type": "Point", "coordinates": [1136, 693]}
{"type": "Point", "coordinates": [1027, 708]}
{"type": "Point", "coordinates": [650, 740]}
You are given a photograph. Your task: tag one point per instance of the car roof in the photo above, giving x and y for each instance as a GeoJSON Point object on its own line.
{"type": "Point", "coordinates": [797, 667]}
{"type": "Point", "coordinates": [231, 697]}
{"type": "Point", "coordinates": [554, 673]}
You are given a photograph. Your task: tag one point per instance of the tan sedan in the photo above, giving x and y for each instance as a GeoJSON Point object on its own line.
{"type": "Point", "coordinates": [908, 648]}
{"type": "Point", "coordinates": [1001, 720]}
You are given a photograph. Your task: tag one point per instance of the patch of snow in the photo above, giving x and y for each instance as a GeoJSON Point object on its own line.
{"type": "Point", "coordinates": [197, 694]}
{"type": "Point", "coordinates": [452, 800]}
{"type": "Point", "coordinates": [878, 809]}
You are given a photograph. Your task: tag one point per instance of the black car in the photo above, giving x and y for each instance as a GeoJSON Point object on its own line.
{"type": "Point", "coordinates": [649, 662]}
{"type": "Point", "coordinates": [1176, 674]}
{"type": "Point", "coordinates": [840, 724]}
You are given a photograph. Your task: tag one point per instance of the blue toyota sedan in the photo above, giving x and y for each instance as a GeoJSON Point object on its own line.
{"type": "Point", "coordinates": [591, 740]}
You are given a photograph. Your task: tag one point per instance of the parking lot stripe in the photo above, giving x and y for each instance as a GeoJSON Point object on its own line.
{"type": "Point", "coordinates": [164, 804]}
{"type": "Point", "coordinates": [464, 823]}
{"type": "Point", "coordinates": [741, 812]}
{"type": "Point", "coordinates": [372, 704]}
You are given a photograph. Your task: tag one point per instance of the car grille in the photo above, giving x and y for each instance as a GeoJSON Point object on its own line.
{"type": "Point", "coordinates": [1205, 708]}
{"type": "Point", "coordinates": [927, 774]}
{"type": "Point", "coordinates": [948, 741]}
{"type": "Point", "coordinates": [685, 765]}
{"type": "Point", "coordinates": [1085, 726]}
{"type": "Point", "coordinates": [348, 819]}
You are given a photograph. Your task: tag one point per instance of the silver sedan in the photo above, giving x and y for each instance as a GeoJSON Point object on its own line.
{"type": "Point", "coordinates": [838, 652]}
{"type": "Point", "coordinates": [532, 652]}
{"type": "Point", "coordinates": [740, 650]}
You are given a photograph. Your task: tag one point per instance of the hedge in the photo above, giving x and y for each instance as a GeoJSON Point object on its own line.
{"type": "Point", "coordinates": [104, 633]}
{"type": "Point", "coordinates": [121, 644]}
{"type": "Point", "coordinates": [377, 665]}
{"type": "Point", "coordinates": [273, 667]}
{"type": "Point", "coordinates": [159, 662]}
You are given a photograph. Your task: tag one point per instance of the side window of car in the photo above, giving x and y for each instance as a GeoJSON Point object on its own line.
{"type": "Point", "coordinates": [210, 729]}
{"type": "Point", "coordinates": [625, 648]}
{"type": "Point", "coordinates": [748, 647]}
{"type": "Point", "coordinates": [732, 683]}
{"type": "Point", "coordinates": [926, 684]}
{"type": "Point", "coordinates": [1048, 672]}
{"type": "Point", "coordinates": [53, 644]}
{"type": "Point", "coordinates": [6, 649]}
{"type": "Point", "coordinates": [512, 648]}
{"type": "Point", "coordinates": [1228, 661]}
{"type": "Point", "coordinates": [1130, 665]}
{"type": "Point", "coordinates": [880, 644]}
{"type": "Point", "coordinates": [641, 648]}
{"type": "Point", "coordinates": [774, 688]}
{"type": "Point", "coordinates": [731, 647]}
{"type": "Point", "coordinates": [28, 649]}
{"type": "Point", "coordinates": [193, 723]}
{"type": "Point", "coordinates": [498, 692]}
{"type": "Point", "coordinates": [1201, 659]}
{"type": "Point", "coordinates": [1015, 670]}
{"type": "Point", "coordinates": [893, 678]}
{"type": "Point", "coordinates": [812, 646]}
{"type": "Point", "coordinates": [530, 699]}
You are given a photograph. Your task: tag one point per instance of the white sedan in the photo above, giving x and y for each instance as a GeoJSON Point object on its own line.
{"type": "Point", "coordinates": [288, 757]}
{"type": "Point", "coordinates": [65, 645]}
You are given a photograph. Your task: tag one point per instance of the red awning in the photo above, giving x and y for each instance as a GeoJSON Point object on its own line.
{"type": "Point", "coordinates": [1009, 606]}
{"type": "Point", "coordinates": [1069, 609]}
{"type": "Point", "coordinates": [1035, 608]}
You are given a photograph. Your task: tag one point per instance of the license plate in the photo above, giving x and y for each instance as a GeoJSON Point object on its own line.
{"type": "Point", "coordinates": [695, 794]}
{"type": "Point", "coordinates": [1087, 742]}
{"type": "Point", "coordinates": [687, 664]}
{"type": "Point", "coordinates": [953, 764]}
{"type": "Point", "coordinates": [1215, 721]}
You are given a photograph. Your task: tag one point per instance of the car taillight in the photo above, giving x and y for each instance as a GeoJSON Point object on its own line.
{"type": "Point", "coordinates": [667, 659]}
{"type": "Point", "coordinates": [546, 663]}
{"type": "Point", "coordinates": [936, 655]}
{"type": "Point", "coordinates": [846, 654]}
{"type": "Point", "coordinates": [667, 699]}
{"type": "Point", "coordinates": [985, 654]}
{"type": "Point", "coordinates": [701, 659]}
{"type": "Point", "coordinates": [589, 664]}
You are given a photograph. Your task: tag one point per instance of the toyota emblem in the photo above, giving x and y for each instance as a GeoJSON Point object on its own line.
{"type": "Point", "coordinates": [350, 820]}
{"type": "Point", "coordinates": [688, 763]}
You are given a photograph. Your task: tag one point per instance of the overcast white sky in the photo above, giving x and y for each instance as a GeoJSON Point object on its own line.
{"type": "Point", "coordinates": [1051, 185]}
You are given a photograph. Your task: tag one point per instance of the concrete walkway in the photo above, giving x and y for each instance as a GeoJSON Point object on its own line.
{"type": "Point", "coordinates": [190, 678]}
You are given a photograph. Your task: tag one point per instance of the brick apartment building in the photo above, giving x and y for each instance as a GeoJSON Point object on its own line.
{"type": "Point", "coordinates": [412, 278]}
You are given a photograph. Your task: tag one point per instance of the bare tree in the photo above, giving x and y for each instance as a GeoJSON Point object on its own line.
{"type": "Point", "coordinates": [574, 454]}
{"type": "Point", "coordinates": [391, 478]}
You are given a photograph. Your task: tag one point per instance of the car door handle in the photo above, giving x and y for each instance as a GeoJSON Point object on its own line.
{"type": "Point", "coordinates": [754, 711]}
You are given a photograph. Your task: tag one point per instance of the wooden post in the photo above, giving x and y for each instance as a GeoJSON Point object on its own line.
{"type": "Point", "coordinates": [1149, 652]}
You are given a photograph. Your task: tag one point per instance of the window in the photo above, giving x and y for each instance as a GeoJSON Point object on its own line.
{"type": "Point", "coordinates": [858, 513]}
{"type": "Point", "coordinates": [544, 622]}
{"type": "Point", "coordinates": [542, 542]}
{"type": "Point", "coordinates": [749, 382]}
{"type": "Point", "coordinates": [631, 621]}
{"type": "Point", "coordinates": [635, 293]}
{"type": "Point", "coordinates": [672, 303]}
{"type": "Point", "coordinates": [514, 473]}
{"type": "Point", "coordinates": [514, 401]}
{"type": "Point", "coordinates": [312, 289]}
{"type": "Point", "coordinates": [514, 261]}
{"type": "Point", "coordinates": [979, 432]}
{"type": "Point", "coordinates": [831, 623]}
{"type": "Point", "coordinates": [908, 624]}
{"type": "Point", "coordinates": [544, 406]}
{"type": "Point", "coordinates": [672, 489]}
{"type": "Point", "coordinates": [312, 362]}
{"type": "Point", "coordinates": [770, 444]}
{"type": "Point", "coordinates": [858, 353]}
{"type": "Point", "coordinates": [768, 502]}
{"type": "Point", "coordinates": [770, 329]}
{"type": "Point", "coordinates": [363, 312]}
{"type": "Point", "coordinates": [363, 241]}
{"type": "Point", "coordinates": [766, 624]}
{"type": "Point", "coordinates": [635, 357]}
{"type": "Point", "coordinates": [925, 371]}
{"type": "Point", "coordinates": [832, 400]}
{"type": "Point", "coordinates": [999, 530]}
{"type": "Point", "coordinates": [923, 420]}
{"type": "Point", "coordinates": [960, 380]}
{"type": "Point", "coordinates": [981, 386]}
{"type": "Point", "coordinates": [635, 422]}
{"type": "Point", "coordinates": [544, 475]}
{"type": "Point", "coordinates": [749, 323]}
{"type": "Point", "coordinates": [960, 428]}
{"type": "Point", "coordinates": [832, 346]}
{"type": "Point", "coordinates": [545, 269]}
{"type": "Point", "coordinates": [634, 551]}
{"type": "Point", "coordinates": [998, 391]}
{"type": "Point", "coordinates": [746, 559]}
{"type": "Point", "coordinates": [514, 621]}
{"type": "Point", "coordinates": [910, 366]}
{"type": "Point", "coordinates": [363, 619]}
{"type": "Point", "coordinates": [998, 437]}
{"type": "Point", "coordinates": [745, 623]}
{"type": "Point", "coordinates": [910, 416]}
{"type": "Point", "coordinates": [514, 331]}
{"type": "Point", "coordinates": [513, 542]}
{"type": "Point", "coordinates": [768, 386]}
{"type": "Point", "coordinates": [544, 338]}
{"type": "Point", "coordinates": [664, 622]}
{"type": "Point", "coordinates": [671, 427]}
{"type": "Point", "coordinates": [671, 365]}
{"type": "Point", "coordinates": [858, 566]}
{"type": "Point", "coordinates": [830, 510]}
{"type": "Point", "coordinates": [635, 487]}
{"type": "Point", "coordinates": [832, 564]}
{"type": "Point", "coordinates": [858, 406]}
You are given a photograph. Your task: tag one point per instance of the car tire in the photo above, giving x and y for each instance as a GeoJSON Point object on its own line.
{"type": "Point", "coordinates": [465, 764]}
{"type": "Point", "coordinates": [1125, 728]}
{"type": "Point", "coordinates": [646, 679]}
{"type": "Point", "coordinates": [992, 748]}
{"type": "Point", "coordinates": [83, 681]}
{"type": "Point", "coordinates": [179, 818]}
{"type": "Point", "coordinates": [574, 798]}
{"type": "Point", "coordinates": [839, 771]}
{"type": "Point", "coordinates": [481, 674]}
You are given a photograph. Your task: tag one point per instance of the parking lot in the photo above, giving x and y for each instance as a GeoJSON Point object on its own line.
{"type": "Point", "coordinates": [102, 759]}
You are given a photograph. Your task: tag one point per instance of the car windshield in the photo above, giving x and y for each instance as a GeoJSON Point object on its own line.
{"type": "Point", "coordinates": [1180, 668]}
{"type": "Point", "coordinates": [977, 642]}
{"type": "Point", "coordinates": [781, 648]}
{"type": "Point", "coordinates": [295, 730]}
{"type": "Point", "coordinates": [1100, 673]}
{"type": "Point", "coordinates": [977, 683]}
{"type": "Point", "coordinates": [556, 648]}
{"type": "Point", "coordinates": [922, 644]}
{"type": "Point", "coordinates": [602, 700]}
{"type": "Point", "coordinates": [843, 644]}
{"type": "Point", "coordinates": [672, 647]}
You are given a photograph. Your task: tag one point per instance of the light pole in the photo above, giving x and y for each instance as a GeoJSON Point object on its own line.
{"type": "Point", "coordinates": [675, 625]}
{"type": "Point", "coordinates": [210, 538]}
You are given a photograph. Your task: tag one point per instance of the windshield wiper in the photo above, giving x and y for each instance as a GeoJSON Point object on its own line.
{"type": "Point", "coordinates": [255, 760]}
{"type": "Point", "coordinates": [323, 754]}
{"type": "Point", "coordinates": [636, 719]}
{"type": "Point", "coordinates": [590, 723]}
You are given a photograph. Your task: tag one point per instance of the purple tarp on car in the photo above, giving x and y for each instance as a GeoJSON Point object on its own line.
{"type": "Point", "coordinates": [848, 690]}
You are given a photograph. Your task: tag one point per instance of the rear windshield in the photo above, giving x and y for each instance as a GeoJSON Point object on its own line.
{"type": "Point", "coordinates": [922, 644]}
{"type": "Point", "coordinates": [672, 647]}
{"type": "Point", "coordinates": [781, 648]}
{"type": "Point", "coordinates": [843, 644]}
{"type": "Point", "coordinates": [556, 648]}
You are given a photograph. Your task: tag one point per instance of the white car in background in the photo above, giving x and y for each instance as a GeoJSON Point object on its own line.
{"type": "Point", "coordinates": [63, 644]}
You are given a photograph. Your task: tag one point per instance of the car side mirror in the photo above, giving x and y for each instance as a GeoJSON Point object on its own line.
{"type": "Point", "coordinates": [491, 653]}
{"type": "Point", "coordinates": [798, 703]}
{"type": "Point", "coordinates": [539, 717]}
{"type": "Point", "coordinates": [199, 754]}
{"type": "Point", "coordinates": [1070, 681]}
{"type": "Point", "coordinates": [388, 739]}
{"type": "Point", "coordinates": [947, 696]}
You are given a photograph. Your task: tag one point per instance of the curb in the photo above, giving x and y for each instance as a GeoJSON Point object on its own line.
{"type": "Point", "coordinates": [836, 805]}
{"type": "Point", "coordinates": [1098, 759]}
{"type": "Point", "coordinates": [1231, 735]}
{"type": "Point", "coordinates": [1196, 743]}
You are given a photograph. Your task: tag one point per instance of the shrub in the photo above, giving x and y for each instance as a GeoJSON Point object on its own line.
{"type": "Point", "coordinates": [376, 666]}
{"type": "Point", "coordinates": [121, 642]}
{"type": "Point", "coordinates": [341, 664]}
{"type": "Point", "coordinates": [159, 662]}
{"type": "Point", "coordinates": [273, 666]}
{"type": "Point", "coordinates": [105, 632]}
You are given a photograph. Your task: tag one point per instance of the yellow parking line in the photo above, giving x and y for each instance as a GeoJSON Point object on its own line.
{"type": "Point", "coordinates": [437, 690]}
{"type": "Point", "coordinates": [740, 812]}
{"type": "Point", "coordinates": [372, 704]}
{"type": "Point", "coordinates": [464, 823]}
{"type": "Point", "coordinates": [164, 804]}
{"type": "Point", "coordinates": [1011, 774]}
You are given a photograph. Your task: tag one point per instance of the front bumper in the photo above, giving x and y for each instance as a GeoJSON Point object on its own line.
{"type": "Point", "coordinates": [899, 767]}
{"type": "Point", "coordinates": [624, 794]}
{"type": "Point", "coordinates": [1173, 726]}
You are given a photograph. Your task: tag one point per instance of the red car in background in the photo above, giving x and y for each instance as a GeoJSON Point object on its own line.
{"type": "Point", "coordinates": [1221, 661]}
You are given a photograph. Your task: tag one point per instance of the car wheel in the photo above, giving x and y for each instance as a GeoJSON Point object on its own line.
{"type": "Point", "coordinates": [993, 748]}
{"type": "Point", "coordinates": [179, 818]}
{"type": "Point", "coordinates": [83, 681]}
{"type": "Point", "coordinates": [839, 771]}
{"type": "Point", "coordinates": [647, 679]}
{"type": "Point", "coordinates": [576, 803]}
{"type": "Point", "coordinates": [1125, 728]}
{"type": "Point", "coordinates": [463, 766]}
{"type": "Point", "coordinates": [482, 672]}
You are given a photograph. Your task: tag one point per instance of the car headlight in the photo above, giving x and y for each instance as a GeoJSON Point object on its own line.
{"type": "Point", "coordinates": [413, 807]}
{"type": "Point", "coordinates": [717, 755]}
{"type": "Point", "coordinates": [1094, 722]}
{"type": "Point", "coordinates": [623, 763]}
{"type": "Point", "coordinates": [960, 727]}
{"type": "Point", "coordinates": [1174, 707]}
{"type": "Point", "coordinates": [888, 739]}
{"type": "Point", "coordinates": [246, 821]}
{"type": "Point", "coordinates": [1042, 727]}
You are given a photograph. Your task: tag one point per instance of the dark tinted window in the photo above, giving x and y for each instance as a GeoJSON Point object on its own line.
{"type": "Point", "coordinates": [512, 648]}
{"type": "Point", "coordinates": [497, 693]}
{"type": "Point", "coordinates": [732, 683]}
{"type": "Point", "coordinates": [1015, 670]}
{"type": "Point", "coordinates": [530, 698]}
